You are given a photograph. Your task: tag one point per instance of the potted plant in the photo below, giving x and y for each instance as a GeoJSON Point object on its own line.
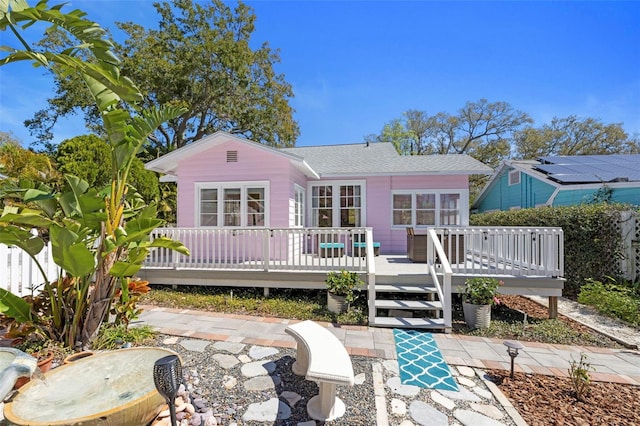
{"type": "Point", "coordinates": [341, 290]}
{"type": "Point", "coordinates": [478, 296]}
{"type": "Point", "coordinates": [38, 347]}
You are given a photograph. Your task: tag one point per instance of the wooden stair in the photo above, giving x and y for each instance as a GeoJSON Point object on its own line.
{"type": "Point", "coordinates": [412, 299]}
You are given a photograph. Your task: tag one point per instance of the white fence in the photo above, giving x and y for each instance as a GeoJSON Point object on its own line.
{"type": "Point", "coordinates": [20, 275]}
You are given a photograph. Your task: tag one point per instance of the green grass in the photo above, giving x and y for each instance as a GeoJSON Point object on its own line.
{"type": "Point", "coordinates": [616, 300]}
{"type": "Point", "coordinates": [281, 303]}
{"type": "Point", "coordinates": [113, 337]}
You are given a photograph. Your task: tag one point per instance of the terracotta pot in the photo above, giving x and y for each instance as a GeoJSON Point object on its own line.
{"type": "Point", "coordinates": [476, 316]}
{"type": "Point", "coordinates": [44, 365]}
{"type": "Point", "coordinates": [76, 357]}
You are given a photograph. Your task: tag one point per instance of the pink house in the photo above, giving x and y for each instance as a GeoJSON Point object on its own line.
{"type": "Point", "coordinates": [267, 217]}
{"type": "Point", "coordinates": [227, 181]}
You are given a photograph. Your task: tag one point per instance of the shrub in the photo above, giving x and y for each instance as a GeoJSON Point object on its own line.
{"type": "Point", "coordinates": [344, 283]}
{"type": "Point", "coordinates": [612, 299]}
{"type": "Point", "coordinates": [593, 243]}
{"type": "Point", "coordinates": [481, 290]}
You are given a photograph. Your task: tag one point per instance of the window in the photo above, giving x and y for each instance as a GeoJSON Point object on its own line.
{"type": "Point", "coordinates": [298, 206]}
{"type": "Point", "coordinates": [339, 204]}
{"type": "Point", "coordinates": [449, 209]}
{"type": "Point", "coordinates": [232, 204]}
{"type": "Point", "coordinates": [402, 209]}
{"type": "Point", "coordinates": [514, 177]}
{"type": "Point", "coordinates": [322, 205]}
{"type": "Point", "coordinates": [209, 207]}
{"type": "Point", "coordinates": [350, 205]}
{"type": "Point", "coordinates": [426, 208]}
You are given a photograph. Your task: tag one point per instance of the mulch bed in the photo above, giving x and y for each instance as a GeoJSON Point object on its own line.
{"type": "Point", "coordinates": [546, 400]}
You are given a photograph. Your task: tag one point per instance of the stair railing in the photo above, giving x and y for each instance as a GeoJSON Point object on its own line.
{"type": "Point", "coordinates": [436, 254]}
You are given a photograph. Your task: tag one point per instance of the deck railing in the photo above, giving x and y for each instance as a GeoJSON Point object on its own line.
{"type": "Point", "coordinates": [530, 251]}
{"type": "Point", "coordinates": [436, 254]}
{"type": "Point", "coordinates": [519, 251]}
{"type": "Point", "coordinates": [265, 249]}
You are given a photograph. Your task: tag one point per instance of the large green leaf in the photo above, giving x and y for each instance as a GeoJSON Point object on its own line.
{"type": "Point", "coordinates": [28, 219]}
{"type": "Point", "coordinates": [71, 254]}
{"type": "Point", "coordinates": [14, 307]}
{"type": "Point", "coordinates": [165, 242]}
{"type": "Point", "coordinates": [124, 269]}
{"type": "Point", "coordinates": [138, 229]}
{"type": "Point", "coordinates": [14, 236]}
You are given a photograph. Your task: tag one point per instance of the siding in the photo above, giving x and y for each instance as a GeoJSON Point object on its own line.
{"type": "Point", "coordinates": [571, 197]}
{"type": "Point", "coordinates": [253, 165]}
{"type": "Point", "coordinates": [530, 192]}
{"type": "Point", "coordinates": [258, 165]}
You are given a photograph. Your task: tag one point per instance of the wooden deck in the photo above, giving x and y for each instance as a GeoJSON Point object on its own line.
{"type": "Point", "coordinates": [389, 269]}
{"type": "Point", "coordinates": [529, 261]}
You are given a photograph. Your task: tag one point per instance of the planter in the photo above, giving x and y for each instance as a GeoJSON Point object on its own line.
{"type": "Point", "coordinates": [336, 304]}
{"type": "Point", "coordinates": [476, 316]}
{"type": "Point", "coordinates": [44, 364]}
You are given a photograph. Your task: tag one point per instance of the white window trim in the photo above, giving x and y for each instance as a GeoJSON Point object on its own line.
{"type": "Point", "coordinates": [221, 186]}
{"type": "Point", "coordinates": [336, 198]}
{"type": "Point", "coordinates": [516, 181]}
{"type": "Point", "coordinates": [296, 190]}
{"type": "Point", "coordinates": [463, 207]}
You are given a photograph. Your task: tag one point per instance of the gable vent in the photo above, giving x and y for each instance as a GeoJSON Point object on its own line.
{"type": "Point", "coordinates": [232, 156]}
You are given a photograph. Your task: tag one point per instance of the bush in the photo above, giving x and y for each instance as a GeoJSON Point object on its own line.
{"type": "Point", "coordinates": [593, 243]}
{"type": "Point", "coordinates": [612, 299]}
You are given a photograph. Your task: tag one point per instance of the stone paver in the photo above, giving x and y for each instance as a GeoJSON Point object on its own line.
{"type": "Point", "coordinates": [234, 348]}
{"type": "Point", "coordinates": [261, 383]}
{"type": "Point", "coordinates": [194, 345]}
{"type": "Point", "coordinates": [267, 411]}
{"type": "Point", "coordinates": [226, 361]}
{"type": "Point", "coordinates": [259, 352]}
{"type": "Point", "coordinates": [425, 414]}
{"type": "Point", "coordinates": [397, 387]}
{"type": "Point", "coordinates": [258, 368]}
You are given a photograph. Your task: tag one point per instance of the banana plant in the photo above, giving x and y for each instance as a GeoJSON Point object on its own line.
{"type": "Point", "coordinates": [99, 236]}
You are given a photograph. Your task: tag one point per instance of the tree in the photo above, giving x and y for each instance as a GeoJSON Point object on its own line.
{"type": "Point", "coordinates": [89, 158]}
{"type": "Point", "coordinates": [200, 58]}
{"type": "Point", "coordinates": [99, 236]}
{"type": "Point", "coordinates": [21, 163]}
{"type": "Point", "coordinates": [574, 136]}
{"type": "Point", "coordinates": [481, 129]}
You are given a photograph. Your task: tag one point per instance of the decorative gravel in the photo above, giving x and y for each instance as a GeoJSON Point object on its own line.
{"type": "Point", "coordinates": [207, 378]}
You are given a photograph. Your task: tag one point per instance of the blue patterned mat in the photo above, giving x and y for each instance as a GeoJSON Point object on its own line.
{"type": "Point", "coordinates": [420, 361]}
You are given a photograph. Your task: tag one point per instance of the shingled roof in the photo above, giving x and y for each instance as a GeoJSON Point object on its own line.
{"type": "Point", "coordinates": [382, 159]}
{"type": "Point", "coordinates": [362, 159]}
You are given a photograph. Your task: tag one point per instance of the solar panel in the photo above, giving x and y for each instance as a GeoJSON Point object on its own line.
{"type": "Point", "coordinates": [591, 168]}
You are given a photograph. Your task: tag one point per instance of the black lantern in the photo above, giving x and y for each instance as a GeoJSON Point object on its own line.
{"type": "Point", "coordinates": [512, 349]}
{"type": "Point", "coordinates": [167, 376]}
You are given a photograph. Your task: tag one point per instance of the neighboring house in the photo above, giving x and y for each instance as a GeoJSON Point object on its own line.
{"type": "Point", "coordinates": [228, 181]}
{"type": "Point", "coordinates": [562, 181]}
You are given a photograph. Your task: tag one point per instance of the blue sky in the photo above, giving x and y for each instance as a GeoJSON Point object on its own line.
{"type": "Point", "coordinates": [355, 65]}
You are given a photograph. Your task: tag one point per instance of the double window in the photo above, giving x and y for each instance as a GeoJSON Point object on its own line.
{"type": "Point", "coordinates": [236, 204]}
{"type": "Point", "coordinates": [426, 208]}
{"type": "Point", "coordinates": [337, 204]}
